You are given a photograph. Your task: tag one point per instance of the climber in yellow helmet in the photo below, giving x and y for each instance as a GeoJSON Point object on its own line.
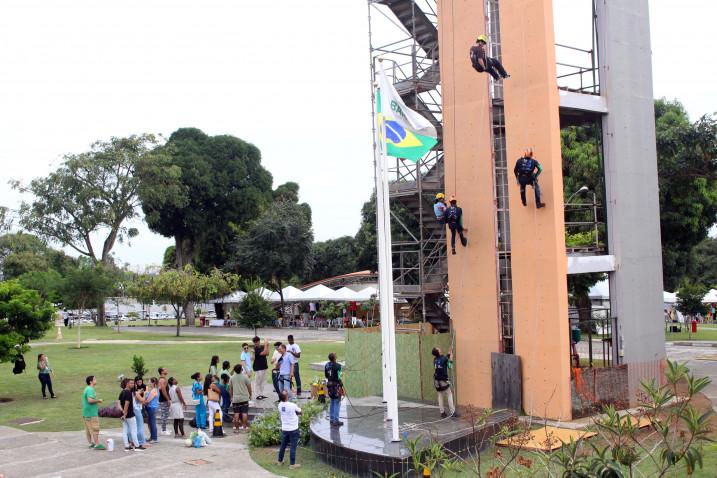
{"type": "Point", "coordinates": [483, 63]}
{"type": "Point", "coordinates": [439, 208]}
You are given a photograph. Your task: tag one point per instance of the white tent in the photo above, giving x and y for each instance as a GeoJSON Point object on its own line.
{"type": "Point", "coordinates": [344, 294]}
{"type": "Point", "coordinates": [291, 294]}
{"type": "Point", "coordinates": [233, 298]}
{"type": "Point", "coordinates": [601, 290]}
{"type": "Point", "coordinates": [710, 297]}
{"type": "Point", "coordinates": [318, 292]}
{"type": "Point", "coordinates": [669, 297]}
{"type": "Point", "coordinates": [365, 294]}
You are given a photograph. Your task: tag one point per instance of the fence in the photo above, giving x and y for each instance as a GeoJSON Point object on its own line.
{"type": "Point", "coordinates": [414, 363]}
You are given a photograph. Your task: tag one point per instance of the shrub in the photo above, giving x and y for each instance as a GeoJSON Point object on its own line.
{"type": "Point", "coordinates": [138, 365]}
{"type": "Point", "coordinates": [266, 429]}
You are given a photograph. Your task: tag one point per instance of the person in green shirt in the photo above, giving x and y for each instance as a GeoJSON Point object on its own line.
{"type": "Point", "coordinates": [90, 413]}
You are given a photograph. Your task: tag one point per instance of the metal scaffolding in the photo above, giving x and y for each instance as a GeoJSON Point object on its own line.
{"type": "Point", "coordinates": [405, 34]}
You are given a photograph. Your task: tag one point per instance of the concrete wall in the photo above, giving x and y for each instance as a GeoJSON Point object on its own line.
{"type": "Point", "coordinates": [540, 298]}
{"type": "Point", "coordinates": [469, 175]}
{"type": "Point", "coordinates": [631, 185]}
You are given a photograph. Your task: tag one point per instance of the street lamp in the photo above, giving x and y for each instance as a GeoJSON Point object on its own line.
{"type": "Point", "coordinates": [581, 190]}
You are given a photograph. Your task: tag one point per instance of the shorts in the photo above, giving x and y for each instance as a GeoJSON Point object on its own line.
{"type": "Point", "coordinates": [92, 424]}
{"type": "Point", "coordinates": [241, 407]}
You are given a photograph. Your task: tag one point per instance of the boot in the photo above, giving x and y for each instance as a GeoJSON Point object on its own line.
{"type": "Point", "coordinates": [464, 241]}
{"type": "Point", "coordinates": [453, 251]}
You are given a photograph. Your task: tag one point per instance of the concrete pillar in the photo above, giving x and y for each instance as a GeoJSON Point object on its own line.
{"type": "Point", "coordinates": [469, 175]}
{"type": "Point", "coordinates": [631, 186]}
{"type": "Point", "coordinates": [540, 297]}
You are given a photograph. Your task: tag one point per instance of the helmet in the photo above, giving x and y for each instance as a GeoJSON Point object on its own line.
{"type": "Point", "coordinates": [482, 38]}
{"type": "Point", "coordinates": [440, 196]}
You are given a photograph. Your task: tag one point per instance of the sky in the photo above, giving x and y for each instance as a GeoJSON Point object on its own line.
{"type": "Point", "coordinates": [291, 77]}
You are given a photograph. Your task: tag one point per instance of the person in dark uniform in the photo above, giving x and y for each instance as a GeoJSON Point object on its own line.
{"type": "Point", "coordinates": [483, 63]}
{"type": "Point", "coordinates": [332, 372]}
{"type": "Point", "coordinates": [454, 218]}
{"type": "Point", "coordinates": [441, 364]}
{"type": "Point", "coordinates": [526, 171]}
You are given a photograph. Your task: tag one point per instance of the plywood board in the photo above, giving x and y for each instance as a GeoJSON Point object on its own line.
{"type": "Point", "coordinates": [545, 438]}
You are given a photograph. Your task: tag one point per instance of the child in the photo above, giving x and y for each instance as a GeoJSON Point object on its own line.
{"type": "Point", "coordinates": [176, 410]}
{"type": "Point", "coordinates": [226, 398]}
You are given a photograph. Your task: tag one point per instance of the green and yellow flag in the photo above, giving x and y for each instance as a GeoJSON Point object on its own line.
{"type": "Point", "coordinates": [406, 133]}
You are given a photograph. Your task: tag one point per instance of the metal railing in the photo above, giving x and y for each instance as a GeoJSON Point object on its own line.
{"type": "Point", "coordinates": [585, 227]}
{"type": "Point", "coordinates": [592, 340]}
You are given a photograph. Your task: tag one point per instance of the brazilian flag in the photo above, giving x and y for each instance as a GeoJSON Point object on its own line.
{"type": "Point", "coordinates": [407, 134]}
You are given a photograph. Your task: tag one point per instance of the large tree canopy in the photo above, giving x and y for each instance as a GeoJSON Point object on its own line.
{"type": "Point", "coordinates": [276, 246]}
{"type": "Point", "coordinates": [22, 253]}
{"type": "Point", "coordinates": [687, 162]}
{"type": "Point", "coordinates": [209, 185]}
{"type": "Point", "coordinates": [89, 194]}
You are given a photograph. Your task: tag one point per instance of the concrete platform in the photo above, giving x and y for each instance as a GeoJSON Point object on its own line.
{"type": "Point", "coordinates": [65, 454]}
{"type": "Point", "coordinates": [363, 446]}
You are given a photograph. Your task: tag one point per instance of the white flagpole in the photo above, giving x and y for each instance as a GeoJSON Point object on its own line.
{"type": "Point", "coordinates": [381, 263]}
{"type": "Point", "coordinates": [386, 282]}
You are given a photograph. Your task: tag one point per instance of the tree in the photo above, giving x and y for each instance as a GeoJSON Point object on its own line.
{"type": "Point", "coordinates": [687, 170]}
{"type": "Point", "coordinates": [183, 287]}
{"type": "Point", "coordinates": [140, 287]}
{"type": "Point", "coordinates": [84, 286]}
{"type": "Point", "coordinates": [5, 219]}
{"type": "Point", "coordinates": [170, 258]}
{"type": "Point", "coordinates": [276, 246]}
{"type": "Point", "coordinates": [703, 265]}
{"type": "Point", "coordinates": [21, 253]}
{"type": "Point", "coordinates": [91, 194]}
{"type": "Point", "coordinates": [49, 284]}
{"type": "Point", "coordinates": [333, 257]}
{"type": "Point", "coordinates": [209, 187]}
{"type": "Point", "coordinates": [366, 238]}
{"type": "Point", "coordinates": [254, 310]}
{"type": "Point", "coordinates": [24, 316]}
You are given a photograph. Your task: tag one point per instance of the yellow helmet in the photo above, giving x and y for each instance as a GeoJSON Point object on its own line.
{"type": "Point", "coordinates": [482, 38]}
{"type": "Point", "coordinates": [440, 196]}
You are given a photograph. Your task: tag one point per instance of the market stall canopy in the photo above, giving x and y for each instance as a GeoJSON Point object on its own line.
{"type": "Point", "coordinates": [291, 294]}
{"type": "Point", "coordinates": [344, 294]}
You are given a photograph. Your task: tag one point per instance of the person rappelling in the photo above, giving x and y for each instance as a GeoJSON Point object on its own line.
{"type": "Point", "coordinates": [454, 219]}
{"type": "Point", "coordinates": [483, 63]}
{"type": "Point", "coordinates": [527, 169]}
{"type": "Point", "coordinates": [439, 208]}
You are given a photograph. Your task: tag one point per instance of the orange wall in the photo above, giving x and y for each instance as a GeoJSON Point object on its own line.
{"type": "Point", "coordinates": [537, 236]}
{"type": "Point", "coordinates": [469, 175]}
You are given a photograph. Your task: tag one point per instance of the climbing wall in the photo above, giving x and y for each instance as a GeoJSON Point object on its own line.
{"type": "Point", "coordinates": [469, 175]}
{"type": "Point", "coordinates": [539, 262]}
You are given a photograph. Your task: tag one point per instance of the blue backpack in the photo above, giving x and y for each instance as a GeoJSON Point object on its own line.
{"type": "Point", "coordinates": [525, 167]}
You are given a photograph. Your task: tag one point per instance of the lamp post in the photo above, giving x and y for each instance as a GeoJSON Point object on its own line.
{"type": "Point", "coordinates": [581, 190]}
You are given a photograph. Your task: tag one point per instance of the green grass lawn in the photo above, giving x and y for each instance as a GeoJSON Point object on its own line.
{"type": "Point", "coordinates": [107, 362]}
{"type": "Point", "coordinates": [704, 332]}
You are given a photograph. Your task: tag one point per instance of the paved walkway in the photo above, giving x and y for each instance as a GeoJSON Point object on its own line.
{"type": "Point", "coordinates": [65, 454]}
{"type": "Point", "coordinates": [273, 334]}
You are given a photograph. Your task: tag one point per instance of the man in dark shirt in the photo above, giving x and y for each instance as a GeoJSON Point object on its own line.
{"type": "Point", "coordinates": [483, 63]}
{"type": "Point", "coordinates": [260, 365]}
{"type": "Point", "coordinates": [332, 372]}
{"type": "Point", "coordinates": [526, 171]}
{"type": "Point", "coordinates": [129, 424]}
{"type": "Point", "coordinates": [441, 364]}
{"type": "Point", "coordinates": [454, 218]}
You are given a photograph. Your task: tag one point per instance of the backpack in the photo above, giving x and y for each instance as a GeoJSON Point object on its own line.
{"type": "Point", "coordinates": [525, 167]}
{"type": "Point", "coordinates": [19, 365]}
{"type": "Point", "coordinates": [474, 61]}
{"type": "Point", "coordinates": [451, 215]}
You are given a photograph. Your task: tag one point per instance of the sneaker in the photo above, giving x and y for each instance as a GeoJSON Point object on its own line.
{"type": "Point", "coordinates": [100, 447]}
{"type": "Point", "coordinates": [166, 433]}
{"type": "Point", "coordinates": [539, 206]}
{"type": "Point", "coordinates": [128, 448]}
{"type": "Point", "coordinates": [506, 75]}
{"type": "Point", "coordinates": [54, 396]}
{"type": "Point", "coordinates": [279, 463]}
{"type": "Point", "coordinates": [92, 445]}
{"type": "Point", "coordinates": [140, 448]}
{"type": "Point", "coordinates": [464, 242]}
{"type": "Point", "coordinates": [444, 415]}
{"type": "Point", "coordinates": [44, 398]}
{"type": "Point", "coordinates": [456, 415]}
{"type": "Point", "coordinates": [453, 251]}
{"type": "Point", "coordinates": [294, 466]}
